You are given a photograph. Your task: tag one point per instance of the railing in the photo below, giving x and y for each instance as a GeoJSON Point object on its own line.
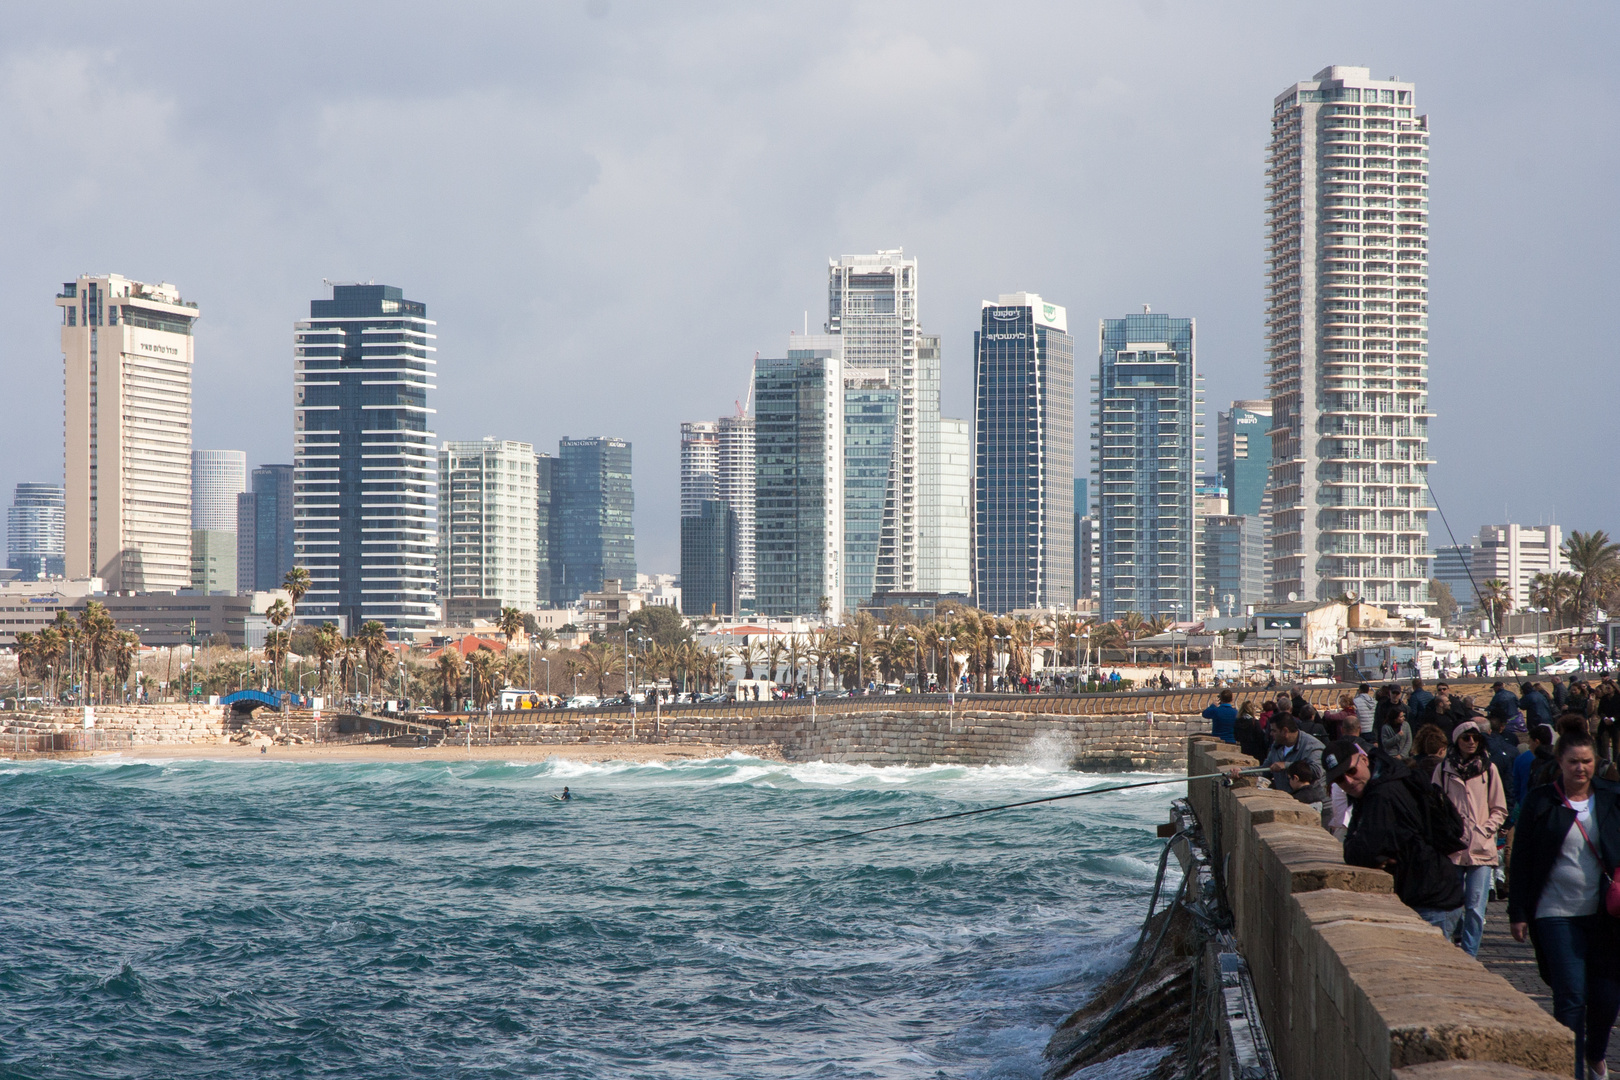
{"type": "Point", "coordinates": [93, 740]}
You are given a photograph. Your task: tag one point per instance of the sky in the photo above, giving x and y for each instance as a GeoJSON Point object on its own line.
{"type": "Point", "coordinates": [609, 207]}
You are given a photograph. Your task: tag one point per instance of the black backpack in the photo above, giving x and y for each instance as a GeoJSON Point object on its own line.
{"type": "Point", "coordinates": [1444, 828]}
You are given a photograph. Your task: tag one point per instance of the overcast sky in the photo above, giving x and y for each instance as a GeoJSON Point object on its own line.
{"type": "Point", "coordinates": [608, 206]}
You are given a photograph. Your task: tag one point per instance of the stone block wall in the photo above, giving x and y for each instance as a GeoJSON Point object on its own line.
{"type": "Point", "coordinates": [885, 736]}
{"type": "Point", "coordinates": [1351, 982]}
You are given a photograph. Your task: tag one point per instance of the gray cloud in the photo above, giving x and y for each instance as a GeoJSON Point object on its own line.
{"type": "Point", "coordinates": [610, 207]}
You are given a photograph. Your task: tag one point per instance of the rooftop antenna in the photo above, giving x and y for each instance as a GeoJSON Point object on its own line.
{"type": "Point", "coordinates": [806, 323]}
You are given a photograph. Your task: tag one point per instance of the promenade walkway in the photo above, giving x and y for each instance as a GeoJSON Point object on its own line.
{"type": "Point", "coordinates": [1517, 964]}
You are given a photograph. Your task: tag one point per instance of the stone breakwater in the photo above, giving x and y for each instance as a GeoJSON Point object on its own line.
{"type": "Point", "coordinates": [886, 735]}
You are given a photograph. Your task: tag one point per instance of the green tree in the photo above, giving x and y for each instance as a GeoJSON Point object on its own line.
{"type": "Point", "coordinates": [661, 623]}
{"type": "Point", "coordinates": [373, 644]}
{"type": "Point", "coordinates": [296, 582]}
{"type": "Point", "coordinates": [1597, 561]}
{"type": "Point", "coordinates": [1445, 605]}
{"type": "Point", "coordinates": [449, 667]}
{"type": "Point", "coordinates": [510, 623]}
{"type": "Point", "coordinates": [1496, 599]}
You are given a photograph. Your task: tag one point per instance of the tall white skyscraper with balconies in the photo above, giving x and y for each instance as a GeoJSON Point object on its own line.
{"type": "Point", "coordinates": [872, 308]}
{"type": "Point", "coordinates": [1347, 337]}
{"type": "Point", "coordinates": [488, 547]}
{"type": "Point", "coordinates": [127, 349]}
{"type": "Point", "coordinates": [700, 465]}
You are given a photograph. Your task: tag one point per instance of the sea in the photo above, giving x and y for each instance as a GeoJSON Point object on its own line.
{"type": "Point", "coordinates": [196, 918]}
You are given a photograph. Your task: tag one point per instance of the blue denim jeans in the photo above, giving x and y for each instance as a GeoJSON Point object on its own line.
{"type": "Point", "coordinates": [1445, 918]}
{"type": "Point", "coordinates": [1583, 965]}
{"type": "Point", "coordinates": [1476, 893]}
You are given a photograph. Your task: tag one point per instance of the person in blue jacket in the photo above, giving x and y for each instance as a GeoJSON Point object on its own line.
{"type": "Point", "coordinates": [1222, 717]}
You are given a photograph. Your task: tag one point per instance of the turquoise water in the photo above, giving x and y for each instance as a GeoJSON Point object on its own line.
{"type": "Point", "coordinates": [450, 919]}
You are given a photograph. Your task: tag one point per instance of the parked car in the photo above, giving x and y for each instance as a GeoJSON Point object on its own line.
{"type": "Point", "coordinates": [1563, 667]}
{"type": "Point", "coordinates": [582, 701]}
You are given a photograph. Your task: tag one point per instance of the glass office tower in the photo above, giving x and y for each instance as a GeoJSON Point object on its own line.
{"type": "Point", "coordinates": [709, 560]}
{"type": "Point", "coordinates": [593, 506]}
{"type": "Point", "coordinates": [36, 531]}
{"type": "Point", "coordinates": [1149, 435]}
{"type": "Point", "coordinates": [871, 408]}
{"type": "Point", "coordinates": [1023, 376]}
{"type": "Point", "coordinates": [365, 500]}
{"type": "Point", "coordinates": [798, 489]}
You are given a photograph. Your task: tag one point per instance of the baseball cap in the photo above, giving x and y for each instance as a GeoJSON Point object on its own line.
{"type": "Point", "coordinates": [1337, 757]}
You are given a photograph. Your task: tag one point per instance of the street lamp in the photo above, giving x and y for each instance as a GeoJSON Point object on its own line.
{"type": "Point", "coordinates": [547, 662]}
{"type": "Point", "coordinates": [950, 668]}
{"type": "Point", "coordinates": [1003, 650]}
{"type": "Point", "coordinates": [1539, 612]}
{"type": "Point", "coordinates": [918, 647]}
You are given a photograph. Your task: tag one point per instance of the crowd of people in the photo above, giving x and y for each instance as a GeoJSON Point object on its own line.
{"type": "Point", "coordinates": [1518, 799]}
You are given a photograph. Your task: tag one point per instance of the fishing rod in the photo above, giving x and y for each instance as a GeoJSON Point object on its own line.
{"type": "Point", "coordinates": [1027, 802]}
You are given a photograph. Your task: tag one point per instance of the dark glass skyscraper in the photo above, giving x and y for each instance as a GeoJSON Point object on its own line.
{"type": "Point", "coordinates": [365, 498]}
{"type": "Point", "coordinates": [1023, 376]}
{"type": "Point", "coordinates": [709, 560]}
{"type": "Point", "coordinates": [1149, 432]}
{"type": "Point", "coordinates": [36, 531]}
{"type": "Point", "coordinates": [594, 506]}
{"type": "Point", "coordinates": [264, 530]}
{"type": "Point", "coordinates": [1243, 454]}
{"type": "Point", "coordinates": [871, 406]}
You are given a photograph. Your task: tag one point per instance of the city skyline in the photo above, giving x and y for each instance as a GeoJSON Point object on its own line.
{"type": "Point", "coordinates": [771, 229]}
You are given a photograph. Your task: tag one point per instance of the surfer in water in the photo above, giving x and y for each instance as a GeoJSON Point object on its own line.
{"type": "Point", "coordinates": [565, 796]}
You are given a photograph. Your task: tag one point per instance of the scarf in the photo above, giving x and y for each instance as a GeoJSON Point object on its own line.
{"type": "Point", "coordinates": [1469, 767]}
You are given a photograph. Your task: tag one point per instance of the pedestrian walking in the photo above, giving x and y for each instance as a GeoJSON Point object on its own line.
{"type": "Point", "coordinates": [1567, 848]}
{"type": "Point", "coordinates": [1366, 708]}
{"type": "Point", "coordinates": [1472, 784]}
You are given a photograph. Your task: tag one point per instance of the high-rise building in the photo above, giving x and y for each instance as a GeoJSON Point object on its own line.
{"type": "Point", "coordinates": [1453, 564]}
{"type": "Point", "coordinates": [1023, 512]}
{"type": "Point", "coordinates": [218, 478]}
{"type": "Point", "coordinates": [1085, 545]}
{"type": "Point", "coordinates": [872, 308]}
{"type": "Point", "coordinates": [487, 543]}
{"type": "Point", "coordinates": [127, 348]}
{"type": "Point", "coordinates": [799, 498]}
{"type": "Point", "coordinates": [545, 525]}
{"type": "Point", "coordinates": [735, 487]}
{"type": "Point", "coordinates": [1243, 454]}
{"type": "Point", "coordinates": [947, 564]}
{"type": "Point", "coordinates": [264, 530]}
{"type": "Point", "coordinates": [717, 462]}
{"type": "Point", "coordinates": [1234, 569]}
{"type": "Point", "coordinates": [593, 503]}
{"type": "Point", "coordinates": [700, 465]}
{"type": "Point", "coordinates": [1347, 330]}
{"type": "Point", "coordinates": [1149, 435]}
{"type": "Point", "coordinates": [36, 531]}
{"type": "Point", "coordinates": [365, 507]}
{"type": "Point", "coordinates": [871, 407]}
{"type": "Point", "coordinates": [213, 561]}
{"type": "Point", "coordinates": [1516, 553]}
{"type": "Point", "coordinates": [709, 560]}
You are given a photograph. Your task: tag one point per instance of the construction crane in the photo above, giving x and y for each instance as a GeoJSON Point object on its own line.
{"type": "Point", "coordinates": [743, 406]}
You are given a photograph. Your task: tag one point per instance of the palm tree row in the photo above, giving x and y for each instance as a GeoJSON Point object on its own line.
{"type": "Point", "coordinates": [79, 652]}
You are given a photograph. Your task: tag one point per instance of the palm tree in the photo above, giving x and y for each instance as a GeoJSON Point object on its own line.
{"type": "Point", "coordinates": [449, 665]}
{"type": "Point", "coordinates": [1558, 593]}
{"type": "Point", "coordinates": [1597, 561]}
{"type": "Point", "coordinates": [126, 651]}
{"type": "Point", "coordinates": [1496, 599]}
{"type": "Point", "coordinates": [601, 659]}
{"type": "Point", "coordinates": [296, 582]}
{"type": "Point", "coordinates": [510, 623]}
{"type": "Point", "coordinates": [373, 645]}
{"type": "Point", "coordinates": [327, 645]}
{"type": "Point", "coordinates": [277, 616]}
{"type": "Point", "coordinates": [100, 637]}
{"type": "Point", "coordinates": [481, 666]}
{"type": "Point", "coordinates": [544, 638]}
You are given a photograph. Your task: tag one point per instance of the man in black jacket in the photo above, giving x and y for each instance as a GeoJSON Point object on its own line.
{"type": "Point", "coordinates": [1392, 828]}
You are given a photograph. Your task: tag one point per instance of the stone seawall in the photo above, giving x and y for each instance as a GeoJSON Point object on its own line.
{"type": "Point", "coordinates": [1351, 982]}
{"type": "Point", "coordinates": [885, 736]}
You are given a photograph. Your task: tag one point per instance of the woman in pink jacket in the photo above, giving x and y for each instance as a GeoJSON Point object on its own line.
{"type": "Point", "coordinates": [1472, 785]}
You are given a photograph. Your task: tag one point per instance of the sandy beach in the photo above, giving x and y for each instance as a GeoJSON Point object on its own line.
{"type": "Point", "coordinates": [593, 752]}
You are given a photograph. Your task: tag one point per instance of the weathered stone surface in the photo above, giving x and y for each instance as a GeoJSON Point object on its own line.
{"type": "Point", "coordinates": [1470, 1070]}
{"type": "Point", "coordinates": [1351, 982]}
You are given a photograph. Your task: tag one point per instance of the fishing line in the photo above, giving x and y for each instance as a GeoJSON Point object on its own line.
{"type": "Point", "coordinates": [1468, 566]}
{"type": "Point", "coordinates": [1026, 802]}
